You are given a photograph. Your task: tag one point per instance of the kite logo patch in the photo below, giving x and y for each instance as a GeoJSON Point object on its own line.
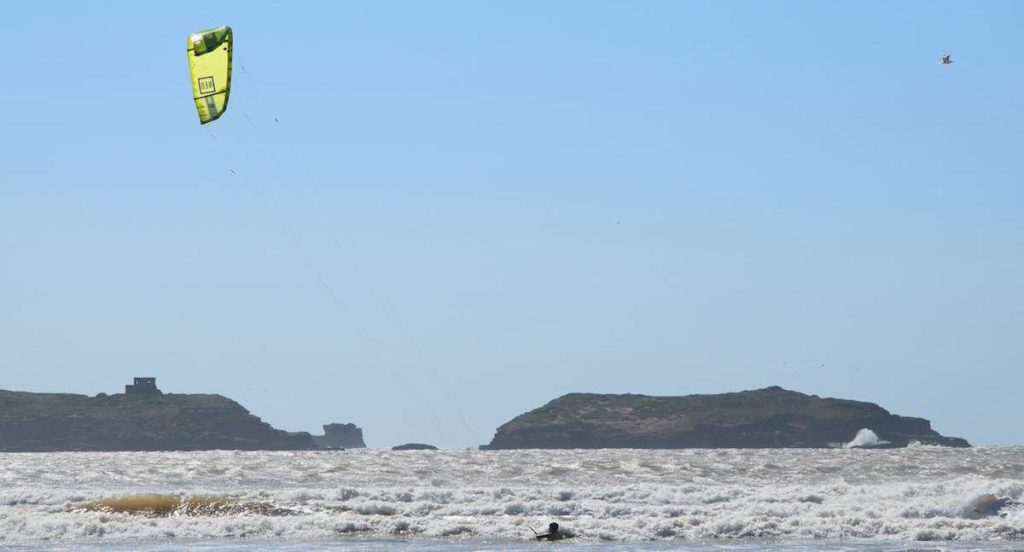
{"type": "Point", "coordinates": [206, 85]}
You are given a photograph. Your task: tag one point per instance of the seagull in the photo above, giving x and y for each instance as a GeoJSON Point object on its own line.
{"type": "Point", "coordinates": [946, 59]}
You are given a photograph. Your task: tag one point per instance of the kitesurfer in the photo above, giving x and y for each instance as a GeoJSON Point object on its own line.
{"type": "Point", "coordinates": [553, 533]}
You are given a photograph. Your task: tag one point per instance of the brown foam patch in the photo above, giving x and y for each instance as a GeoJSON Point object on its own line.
{"type": "Point", "coordinates": [155, 505]}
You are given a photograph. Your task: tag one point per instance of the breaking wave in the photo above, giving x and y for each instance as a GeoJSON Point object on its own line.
{"type": "Point", "coordinates": [865, 438]}
{"type": "Point", "coordinates": [625, 496]}
{"type": "Point", "coordinates": [154, 505]}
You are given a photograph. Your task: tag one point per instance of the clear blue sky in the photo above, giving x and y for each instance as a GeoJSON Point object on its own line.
{"type": "Point", "coordinates": [467, 209]}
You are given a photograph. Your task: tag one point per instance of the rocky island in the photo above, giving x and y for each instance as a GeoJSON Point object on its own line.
{"type": "Point", "coordinates": [765, 418]}
{"type": "Point", "coordinates": [414, 446]}
{"type": "Point", "coordinates": [340, 436]}
{"type": "Point", "coordinates": [142, 418]}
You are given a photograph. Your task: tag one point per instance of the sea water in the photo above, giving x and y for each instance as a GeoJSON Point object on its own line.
{"type": "Point", "coordinates": [923, 498]}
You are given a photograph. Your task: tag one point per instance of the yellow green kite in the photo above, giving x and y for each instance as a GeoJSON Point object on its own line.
{"type": "Point", "coordinates": [209, 62]}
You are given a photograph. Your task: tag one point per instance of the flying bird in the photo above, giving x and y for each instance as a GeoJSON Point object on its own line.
{"type": "Point", "coordinates": [946, 59]}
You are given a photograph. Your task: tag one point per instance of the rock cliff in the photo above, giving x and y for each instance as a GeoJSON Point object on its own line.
{"type": "Point", "coordinates": [765, 418]}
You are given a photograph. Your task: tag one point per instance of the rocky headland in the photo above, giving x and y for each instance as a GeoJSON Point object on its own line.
{"type": "Point", "coordinates": [765, 418]}
{"type": "Point", "coordinates": [142, 418]}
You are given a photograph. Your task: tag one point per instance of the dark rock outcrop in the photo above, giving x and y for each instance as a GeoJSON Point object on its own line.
{"type": "Point", "coordinates": [414, 446]}
{"type": "Point", "coordinates": [135, 421]}
{"type": "Point", "coordinates": [765, 418]}
{"type": "Point", "coordinates": [340, 436]}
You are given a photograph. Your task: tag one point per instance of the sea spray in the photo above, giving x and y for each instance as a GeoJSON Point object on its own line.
{"type": "Point", "coordinates": [865, 438]}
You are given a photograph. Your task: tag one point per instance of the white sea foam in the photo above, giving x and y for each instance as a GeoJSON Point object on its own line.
{"type": "Point", "coordinates": [463, 496]}
{"type": "Point", "coordinates": [866, 438]}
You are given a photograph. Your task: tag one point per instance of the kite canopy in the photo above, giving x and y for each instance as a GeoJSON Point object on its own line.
{"type": "Point", "coordinates": [209, 62]}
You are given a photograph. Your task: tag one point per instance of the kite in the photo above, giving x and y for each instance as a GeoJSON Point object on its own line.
{"type": "Point", "coordinates": [209, 62]}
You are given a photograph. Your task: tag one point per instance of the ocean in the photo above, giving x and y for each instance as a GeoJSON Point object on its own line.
{"type": "Point", "coordinates": [919, 498]}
